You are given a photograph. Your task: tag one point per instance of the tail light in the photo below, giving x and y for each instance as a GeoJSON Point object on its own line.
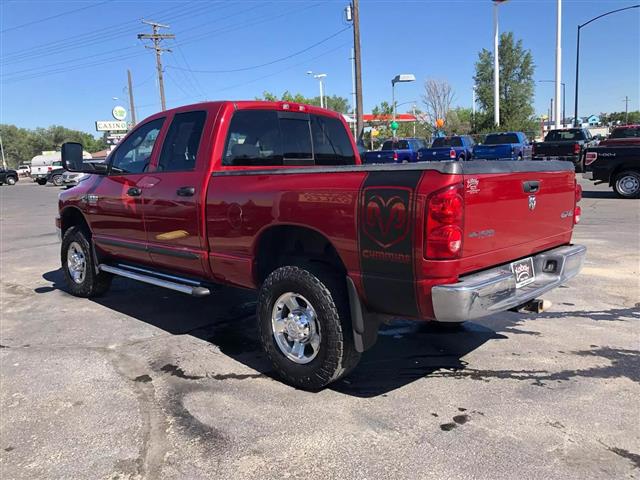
{"type": "Point", "coordinates": [452, 154]}
{"type": "Point", "coordinates": [49, 169]}
{"type": "Point", "coordinates": [590, 157]}
{"type": "Point", "coordinates": [443, 225]}
{"type": "Point", "coordinates": [576, 148]}
{"type": "Point", "coordinates": [395, 156]}
{"type": "Point", "coordinates": [513, 150]}
{"type": "Point", "coordinates": [577, 211]}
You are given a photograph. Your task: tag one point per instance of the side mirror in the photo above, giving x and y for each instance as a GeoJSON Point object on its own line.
{"type": "Point", "coordinates": [72, 156]}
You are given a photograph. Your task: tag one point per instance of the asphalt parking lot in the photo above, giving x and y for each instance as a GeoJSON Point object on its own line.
{"type": "Point", "coordinates": [146, 383]}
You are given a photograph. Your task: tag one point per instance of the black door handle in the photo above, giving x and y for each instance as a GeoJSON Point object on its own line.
{"type": "Point", "coordinates": [134, 192]}
{"type": "Point", "coordinates": [531, 186]}
{"type": "Point", "coordinates": [186, 191]}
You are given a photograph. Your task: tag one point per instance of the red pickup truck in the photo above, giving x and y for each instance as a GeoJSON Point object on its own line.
{"type": "Point", "coordinates": [272, 196]}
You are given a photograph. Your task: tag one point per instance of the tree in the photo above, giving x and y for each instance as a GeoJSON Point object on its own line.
{"type": "Point", "coordinates": [516, 86]}
{"type": "Point", "coordinates": [437, 97]}
{"type": "Point", "coordinates": [21, 144]}
{"type": "Point", "coordinates": [459, 121]}
{"type": "Point", "coordinates": [334, 102]}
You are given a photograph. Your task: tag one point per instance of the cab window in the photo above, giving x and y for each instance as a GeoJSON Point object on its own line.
{"type": "Point", "coordinates": [180, 147]}
{"type": "Point", "coordinates": [134, 154]}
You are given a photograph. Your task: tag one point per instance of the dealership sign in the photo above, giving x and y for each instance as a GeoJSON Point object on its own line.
{"type": "Point", "coordinates": [111, 126]}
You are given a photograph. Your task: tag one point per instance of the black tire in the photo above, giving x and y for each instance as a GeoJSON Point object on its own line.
{"type": "Point", "coordinates": [57, 180]}
{"type": "Point", "coordinates": [92, 284]}
{"type": "Point", "coordinates": [327, 294]}
{"type": "Point", "coordinates": [41, 181]}
{"type": "Point", "coordinates": [627, 184]}
{"type": "Point", "coordinates": [461, 158]}
{"type": "Point", "coordinates": [11, 181]}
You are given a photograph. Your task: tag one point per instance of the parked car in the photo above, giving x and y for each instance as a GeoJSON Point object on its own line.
{"type": "Point", "coordinates": [400, 150]}
{"type": "Point", "coordinates": [458, 147]}
{"type": "Point", "coordinates": [71, 179]}
{"type": "Point", "coordinates": [566, 144]}
{"type": "Point", "coordinates": [272, 196]}
{"type": "Point", "coordinates": [626, 135]}
{"type": "Point", "coordinates": [619, 166]}
{"type": "Point", "coordinates": [8, 176]}
{"type": "Point", "coordinates": [23, 170]}
{"type": "Point", "coordinates": [503, 146]}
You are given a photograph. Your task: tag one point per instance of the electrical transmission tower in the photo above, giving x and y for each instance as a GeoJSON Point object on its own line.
{"type": "Point", "coordinates": [156, 38]}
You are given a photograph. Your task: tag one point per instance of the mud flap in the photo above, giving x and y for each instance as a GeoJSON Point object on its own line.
{"type": "Point", "coordinates": [365, 326]}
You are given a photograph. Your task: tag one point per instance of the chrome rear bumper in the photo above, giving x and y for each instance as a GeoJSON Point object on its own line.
{"type": "Point", "coordinates": [494, 290]}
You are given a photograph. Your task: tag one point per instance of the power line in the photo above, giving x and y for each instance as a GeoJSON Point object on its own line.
{"type": "Point", "coordinates": [253, 67]}
{"type": "Point", "coordinates": [58, 15]}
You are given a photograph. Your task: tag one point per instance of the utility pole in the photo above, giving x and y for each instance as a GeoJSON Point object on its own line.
{"type": "Point", "coordinates": [4, 162]}
{"type": "Point", "coordinates": [496, 67]}
{"type": "Point", "coordinates": [353, 94]}
{"type": "Point", "coordinates": [551, 113]}
{"type": "Point", "coordinates": [131, 104]}
{"type": "Point", "coordinates": [626, 110]}
{"type": "Point", "coordinates": [358, 67]}
{"type": "Point", "coordinates": [156, 38]}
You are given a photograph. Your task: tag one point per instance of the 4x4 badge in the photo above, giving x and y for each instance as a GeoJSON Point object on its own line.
{"type": "Point", "coordinates": [532, 202]}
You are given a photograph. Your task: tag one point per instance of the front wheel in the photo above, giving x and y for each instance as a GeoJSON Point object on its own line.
{"type": "Point", "coordinates": [42, 181]}
{"type": "Point", "coordinates": [627, 184]}
{"type": "Point", "coordinates": [304, 325]}
{"type": "Point", "coordinates": [57, 180]}
{"type": "Point", "coordinates": [11, 181]}
{"type": "Point", "coordinates": [78, 265]}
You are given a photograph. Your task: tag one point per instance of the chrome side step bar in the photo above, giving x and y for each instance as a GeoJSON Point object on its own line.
{"type": "Point", "coordinates": [178, 286]}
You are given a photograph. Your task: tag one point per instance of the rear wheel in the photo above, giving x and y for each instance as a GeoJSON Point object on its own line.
{"type": "Point", "coordinates": [461, 158]}
{"type": "Point", "coordinates": [79, 266]}
{"type": "Point", "coordinates": [304, 325]}
{"type": "Point", "coordinates": [627, 184]}
{"type": "Point", "coordinates": [42, 181]}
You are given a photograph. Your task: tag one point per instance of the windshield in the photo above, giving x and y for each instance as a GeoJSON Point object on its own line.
{"type": "Point", "coordinates": [501, 138]}
{"type": "Point", "coordinates": [564, 135]}
{"type": "Point", "coordinates": [447, 142]}
{"type": "Point", "coordinates": [397, 145]}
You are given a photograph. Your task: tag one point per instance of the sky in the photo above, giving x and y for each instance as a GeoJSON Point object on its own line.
{"type": "Point", "coordinates": [63, 62]}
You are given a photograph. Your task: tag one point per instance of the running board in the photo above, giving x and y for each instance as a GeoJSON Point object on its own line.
{"type": "Point", "coordinates": [195, 290]}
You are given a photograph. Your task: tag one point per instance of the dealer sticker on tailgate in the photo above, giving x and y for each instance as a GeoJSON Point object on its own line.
{"type": "Point", "coordinates": [523, 271]}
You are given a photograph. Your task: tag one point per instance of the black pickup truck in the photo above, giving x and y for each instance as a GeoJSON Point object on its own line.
{"type": "Point", "coordinates": [566, 144]}
{"type": "Point", "coordinates": [8, 176]}
{"type": "Point", "coordinates": [617, 166]}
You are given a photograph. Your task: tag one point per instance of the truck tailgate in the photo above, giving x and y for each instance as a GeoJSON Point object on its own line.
{"type": "Point", "coordinates": [506, 210]}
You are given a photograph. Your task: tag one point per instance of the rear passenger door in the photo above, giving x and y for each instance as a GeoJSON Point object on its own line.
{"type": "Point", "coordinates": [173, 194]}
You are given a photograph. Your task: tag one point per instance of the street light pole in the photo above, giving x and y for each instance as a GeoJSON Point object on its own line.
{"type": "Point", "coordinates": [558, 60]}
{"type": "Point", "coordinates": [564, 97]}
{"type": "Point", "coordinates": [320, 77]}
{"type": "Point", "coordinates": [575, 110]}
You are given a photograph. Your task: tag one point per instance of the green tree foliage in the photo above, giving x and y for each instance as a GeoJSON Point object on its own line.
{"type": "Point", "coordinates": [459, 121]}
{"type": "Point", "coordinates": [21, 144]}
{"type": "Point", "coordinates": [334, 102]}
{"type": "Point", "coordinates": [516, 86]}
{"type": "Point", "coordinates": [619, 117]}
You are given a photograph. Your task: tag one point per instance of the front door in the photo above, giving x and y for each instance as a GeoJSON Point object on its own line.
{"type": "Point", "coordinates": [173, 198]}
{"type": "Point", "coordinates": [116, 200]}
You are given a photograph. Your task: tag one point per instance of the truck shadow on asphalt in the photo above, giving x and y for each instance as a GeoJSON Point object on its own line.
{"type": "Point", "coordinates": [599, 194]}
{"type": "Point", "coordinates": [405, 351]}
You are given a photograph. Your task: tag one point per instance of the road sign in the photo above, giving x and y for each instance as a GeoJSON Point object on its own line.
{"type": "Point", "coordinates": [110, 125]}
{"type": "Point", "coordinates": [119, 113]}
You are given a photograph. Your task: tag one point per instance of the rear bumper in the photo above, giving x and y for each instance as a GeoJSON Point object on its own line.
{"type": "Point", "coordinates": [564, 158]}
{"type": "Point", "coordinates": [494, 290]}
{"type": "Point", "coordinates": [587, 175]}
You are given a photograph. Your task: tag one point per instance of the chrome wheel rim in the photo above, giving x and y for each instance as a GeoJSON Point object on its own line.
{"type": "Point", "coordinates": [76, 262]}
{"type": "Point", "coordinates": [295, 328]}
{"type": "Point", "coordinates": [628, 185]}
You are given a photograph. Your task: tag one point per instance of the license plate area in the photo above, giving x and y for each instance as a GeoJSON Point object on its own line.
{"type": "Point", "coordinates": [523, 272]}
